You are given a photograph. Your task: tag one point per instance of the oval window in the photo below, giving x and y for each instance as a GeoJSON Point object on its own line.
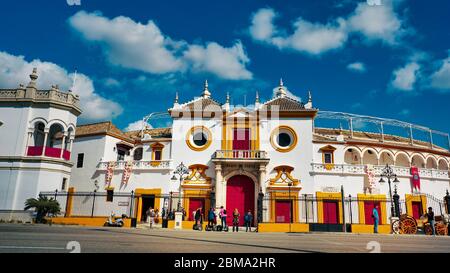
{"type": "Point", "coordinates": [283, 139]}
{"type": "Point", "coordinates": [198, 138]}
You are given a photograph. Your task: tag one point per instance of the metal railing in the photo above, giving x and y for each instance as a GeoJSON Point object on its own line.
{"type": "Point", "coordinates": [359, 170]}
{"type": "Point", "coordinates": [240, 154]}
{"type": "Point", "coordinates": [137, 164]}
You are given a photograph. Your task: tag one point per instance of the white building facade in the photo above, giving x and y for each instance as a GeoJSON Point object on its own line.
{"type": "Point", "coordinates": [269, 159]}
{"type": "Point", "coordinates": [37, 133]}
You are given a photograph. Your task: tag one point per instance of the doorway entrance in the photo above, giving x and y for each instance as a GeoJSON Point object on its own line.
{"type": "Point", "coordinates": [240, 195]}
{"type": "Point", "coordinates": [147, 202]}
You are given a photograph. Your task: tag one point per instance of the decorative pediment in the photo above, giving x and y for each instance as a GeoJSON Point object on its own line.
{"type": "Point", "coordinates": [327, 148]}
{"type": "Point", "coordinates": [284, 177]}
{"type": "Point", "coordinates": [197, 175]}
{"type": "Point", "coordinates": [156, 146]}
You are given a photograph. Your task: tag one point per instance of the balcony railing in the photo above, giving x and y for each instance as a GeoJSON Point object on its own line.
{"type": "Point", "coordinates": [240, 154]}
{"type": "Point", "coordinates": [346, 169]}
{"type": "Point", "coordinates": [49, 152]}
{"type": "Point", "coordinates": [138, 165]}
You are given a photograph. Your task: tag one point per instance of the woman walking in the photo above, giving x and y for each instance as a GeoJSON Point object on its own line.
{"type": "Point", "coordinates": [223, 217]}
{"type": "Point", "coordinates": [236, 216]}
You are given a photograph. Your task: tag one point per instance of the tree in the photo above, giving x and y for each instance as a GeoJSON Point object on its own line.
{"type": "Point", "coordinates": [43, 206]}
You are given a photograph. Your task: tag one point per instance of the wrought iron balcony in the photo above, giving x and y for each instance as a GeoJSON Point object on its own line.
{"type": "Point", "coordinates": [350, 169]}
{"type": "Point", "coordinates": [240, 155]}
{"type": "Point", "coordinates": [137, 165]}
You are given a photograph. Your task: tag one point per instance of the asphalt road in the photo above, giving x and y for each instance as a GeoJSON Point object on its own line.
{"type": "Point", "coordinates": [51, 239]}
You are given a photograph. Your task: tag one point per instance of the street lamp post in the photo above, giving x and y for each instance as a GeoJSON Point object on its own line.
{"type": "Point", "coordinates": [182, 171]}
{"type": "Point", "coordinates": [388, 172]}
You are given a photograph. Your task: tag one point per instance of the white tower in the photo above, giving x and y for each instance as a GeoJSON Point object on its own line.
{"type": "Point", "coordinates": [38, 128]}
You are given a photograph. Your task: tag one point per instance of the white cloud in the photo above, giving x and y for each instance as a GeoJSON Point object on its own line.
{"type": "Point", "coordinates": [15, 70]}
{"type": "Point", "coordinates": [357, 67]}
{"type": "Point", "coordinates": [144, 47]}
{"type": "Point", "coordinates": [111, 83]}
{"type": "Point", "coordinates": [372, 22]}
{"type": "Point", "coordinates": [288, 93]}
{"type": "Point", "coordinates": [405, 77]}
{"type": "Point", "coordinates": [227, 63]}
{"type": "Point", "coordinates": [137, 125]}
{"type": "Point", "coordinates": [377, 22]}
{"type": "Point", "coordinates": [262, 27]}
{"type": "Point", "coordinates": [440, 79]}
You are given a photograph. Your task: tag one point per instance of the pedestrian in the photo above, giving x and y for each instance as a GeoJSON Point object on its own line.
{"type": "Point", "coordinates": [430, 216]}
{"type": "Point", "coordinates": [376, 219]}
{"type": "Point", "coordinates": [152, 216]}
{"type": "Point", "coordinates": [198, 218]}
{"type": "Point", "coordinates": [248, 221]}
{"type": "Point", "coordinates": [211, 217]}
{"type": "Point", "coordinates": [223, 217]}
{"type": "Point", "coordinates": [236, 216]}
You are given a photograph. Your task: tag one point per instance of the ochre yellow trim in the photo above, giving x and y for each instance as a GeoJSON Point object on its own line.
{"type": "Point", "coordinates": [383, 229]}
{"type": "Point", "coordinates": [282, 227]}
{"type": "Point", "coordinates": [409, 198]}
{"type": "Point", "coordinates": [231, 123]}
{"type": "Point", "coordinates": [139, 193]}
{"type": "Point", "coordinates": [284, 195]}
{"type": "Point", "coordinates": [321, 196]}
{"type": "Point", "coordinates": [85, 221]}
{"type": "Point", "coordinates": [197, 175]}
{"type": "Point", "coordinates": [194, 147]}
{"type": "Point", "coordinates": [372, 197]}
{"type": "Point", "coordinates": [200, 193]}
{"type": "Point", "coordinates": [284, 169]}
{"type": "Point", "coordinates": [155, 148]}
{"type": "Point", "coordinates": [69, 204]}
{"type": "Point", "coordinates": [274, 134]}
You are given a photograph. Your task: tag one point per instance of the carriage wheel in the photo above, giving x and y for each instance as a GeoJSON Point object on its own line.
{"type": "Point", "coordinates": [441, 229]}
{"type": "Point", "coordinates": [408, 226]}
{"type": "Point", "coordinates": [396, 227]}
{"type": "Point", "coordinates": [428, 229]}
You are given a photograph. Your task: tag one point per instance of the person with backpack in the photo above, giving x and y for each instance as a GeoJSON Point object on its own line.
{"type": "Point", "coordinates": [223, 217]}
{"type": "Point", "coordinates": [198, 218]}
{"type": "Point", "coordinates": [248, 221]}
{"type": "Point", "coordinates": [236, 216]}
{"type": "Point", "coordinates": [211, 217]}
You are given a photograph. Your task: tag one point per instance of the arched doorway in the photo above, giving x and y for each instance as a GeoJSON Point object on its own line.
{"type": "Point", "coordinates": [240, 195]}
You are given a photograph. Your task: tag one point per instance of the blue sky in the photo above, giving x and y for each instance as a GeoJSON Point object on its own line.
{"type": "Point", "coordinates": [390, 61]}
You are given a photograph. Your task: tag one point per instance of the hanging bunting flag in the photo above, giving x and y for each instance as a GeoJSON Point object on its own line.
{"type": "Point", "coordinates": [127, 172]}
{"type": "Point", "coordinates": [369, 178]}
{"type": "Point", "coordinates": [110, 172]}
{"type": "Point", "coordinates": [415, 179]}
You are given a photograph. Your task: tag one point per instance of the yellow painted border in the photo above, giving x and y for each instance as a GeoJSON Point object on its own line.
{"type": "Point", "coordinates": [284, 195]}
{"type": "Point", "coordinates": [139, 193]}
{"type": "Point", "coordinates": [277, 130]}
{"type": "Point", "coordinates": [409, 198]}
{"type": "Point", "coordinates": [229, 124]}
{"type": "Point", "coordinates": [382, 229]}
{"type": "Point", "coordinates": [69, 204]}
{"type": "Point", "coordinates": [282, 227]}
{"type": "Point", "coordinates": [193, 146]}
{"type": "Point", "coordinates": [372, 197]}
{"type": "Point", "coordinates": [200, 193]}
{"type": "Point", "coordinates": [321, 196]}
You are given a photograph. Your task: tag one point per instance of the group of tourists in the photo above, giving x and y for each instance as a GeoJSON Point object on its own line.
{"type": "Point", "coordinates": [212, 219]}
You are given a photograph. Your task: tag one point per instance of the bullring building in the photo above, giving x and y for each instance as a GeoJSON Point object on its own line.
{"type": "Point", "coordinates": [273, 158]}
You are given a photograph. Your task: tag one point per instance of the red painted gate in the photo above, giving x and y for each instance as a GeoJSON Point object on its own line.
{"type": "Point", "coordinates": [330, 212]}
{"type": "Point", "coordinates": [194, 204]}
{"type": "Point", "coordinates": [368, 208]}
{"type": "Point", "coordinates": [240, 195]}
{"type": "Point", "coordinates": [282, 211]}
{"type": "Point", "coordinates": [417, 209]}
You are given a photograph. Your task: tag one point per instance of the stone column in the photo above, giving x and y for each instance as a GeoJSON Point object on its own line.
{"type": "Point", "coordinates": [29, 136]}
{"type": "Point", "coordinates": [63, 144]}
{"type": "Point", "coordinates": [262, 187]}
{"type": "Point", "coordinates": [219, 186]}
{"type": "Point", "coordinates": [46, 131]}
{"type": "Point", "coordinates": [70, 143]}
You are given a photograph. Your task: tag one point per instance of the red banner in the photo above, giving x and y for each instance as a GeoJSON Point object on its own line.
{"type": "Point", "coordinates": [415, 179]}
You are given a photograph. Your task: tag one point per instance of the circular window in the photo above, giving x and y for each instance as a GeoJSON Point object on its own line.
{"type": "Point", "coordinates": [198, 138]}
{"type": "Point", "coordinates": [283, 139]}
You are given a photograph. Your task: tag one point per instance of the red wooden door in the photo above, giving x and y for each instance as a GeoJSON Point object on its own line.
{"type": "Point", "coordinates": [241, 141]}
{"type": "Point", "coordinates": [194, 204]}
{"type": "Point", "coordinates": [240, 195]}
{"type": "Point", "coordinates": [282, 211]}
{"type": "Point", "coordinates": [330, 212]}
{"type": "Point", "coordinates": [417, 209]}
{"type": "Point", "coordinates": [368, 208]}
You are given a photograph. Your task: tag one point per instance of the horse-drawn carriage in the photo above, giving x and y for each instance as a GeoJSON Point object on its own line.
{"type": "Point", "coordinates": [409, 225]}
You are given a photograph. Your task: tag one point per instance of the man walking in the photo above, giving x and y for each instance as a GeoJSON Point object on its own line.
{"type": "Point", "coordinates": [248, 221]}
{"type": "Point", "coordinates": [376, 219]}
